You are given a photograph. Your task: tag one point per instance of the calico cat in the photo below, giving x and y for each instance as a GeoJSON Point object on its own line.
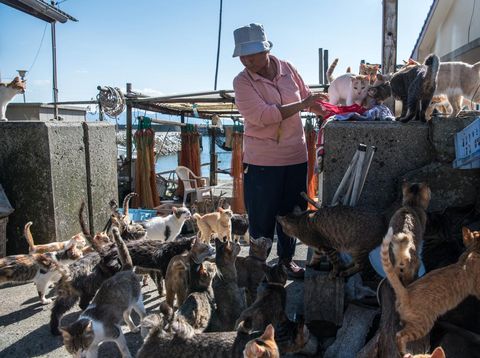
{"type": "Point", "coordinates": [263, 346]}
{"type": "Point", "coordinates": [437, 353]}
{"type": "Point", "coordinates": [7, 92]}
{"type": "Point", "coordinates": [448, 286]}
{"type": "Point", "coordinates": [177, 278]}
{"type": "Point", "coordinates": [365, 69]}
{"type": "Point", "coordinates": [457, 80]}
{"type": "Point", "coordinates": [376, 95]}
{"type": "Point", "coordinates": [78, 240]}
{"type": "Point", "coordinates": [415, 86]}
{"type": "Point", "coordinates": [230, 299]}
{"type": "Point", "coordinates": [269, 307]}
{"type": "Point", "coordinates": [348, 89]}
{"type": "Point", "coordinates": [111, 305]}
{"type": "Point", "coordinates": [218, 222]}
{"type": "Point", "coordinates": [250, 269]}
{"type": "Point", "coordinates": [408, 226]}
{"type": "Point", "coordinates": [42, 269]}
{"type": "Point", "coordinates": [166, 228]}
{"type": "Point", "coordinates": [337, 229]}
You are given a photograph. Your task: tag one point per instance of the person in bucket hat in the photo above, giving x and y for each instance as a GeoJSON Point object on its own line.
{"type": "Point", "coordinates": [269, 94]}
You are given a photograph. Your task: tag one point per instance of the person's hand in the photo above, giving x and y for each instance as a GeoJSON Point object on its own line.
{"type": "Point", "coordinates": [313, 98]}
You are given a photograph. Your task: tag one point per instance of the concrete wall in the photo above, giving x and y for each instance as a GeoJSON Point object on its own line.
{"type": "Point", "coordinates": [44, 112]}
{"type": "Point", "coordinates": [44, 173]}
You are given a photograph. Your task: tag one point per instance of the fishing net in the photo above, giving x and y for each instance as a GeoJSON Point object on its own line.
{"type": "Point", "coordinates": [190, 153]}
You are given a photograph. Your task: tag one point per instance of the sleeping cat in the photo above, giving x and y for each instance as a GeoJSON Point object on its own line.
{"type": "Point", "coordinates": [337, 229]}
{"type": "Point", "coordinates": [168, 227]}
{"type": "Point", "coordinates": [250, 269]}
{"type": "Point", "coordinates": [457, 80]}
{"type": "Point", "coordinates": [424, 300]}
{"type": "Point", "coordinates": [408, 226]}
{"type": "Point", "coordinates": [415, 86]}
{"type": "Point", "coordinates": [78, 240]}
{"type": "Point", "coordinates": [7, 92]}
{"type": "Point", "coordinates": [263, 346]}
{"type": "Point", "coordinates": [112, 305]}
{"type": "Point", "coordinates": [269, 307]}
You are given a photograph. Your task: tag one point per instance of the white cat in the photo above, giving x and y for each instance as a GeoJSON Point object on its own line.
{"type": "Point", "coordinates": [348, 89]}
{"type": "Point", "coordinates": [7, 92]}
{"type": "Point", "coordinates": [457, 80]}
{"type": "Point", "coordinates": [168, 227]}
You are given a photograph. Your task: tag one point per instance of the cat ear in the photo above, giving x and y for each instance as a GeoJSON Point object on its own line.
{"type": "Point", "coordinates": [438, 353]}
{"type": "Point", "coordinates": [255, 349]}
{"type": "Point", "coordinates": [174, 209]}
{"type": "Point", "coordinates": [269, 333]}
{"type": "Point", "coordinates": [467, 236]}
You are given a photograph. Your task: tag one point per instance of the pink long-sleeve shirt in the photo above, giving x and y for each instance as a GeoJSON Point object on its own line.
{"type": "Point", "coordinates": [257, 98]}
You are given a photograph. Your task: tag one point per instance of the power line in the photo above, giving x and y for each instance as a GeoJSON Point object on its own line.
{"type": "Point", "coordinates": [39, 47]}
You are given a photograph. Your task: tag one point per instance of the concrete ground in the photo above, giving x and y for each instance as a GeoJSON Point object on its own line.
{"type": "Point", "coordinates": [24, 322]}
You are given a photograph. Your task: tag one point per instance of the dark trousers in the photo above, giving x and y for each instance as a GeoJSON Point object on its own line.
{"type": "Point", "coordinates": [270, 191]}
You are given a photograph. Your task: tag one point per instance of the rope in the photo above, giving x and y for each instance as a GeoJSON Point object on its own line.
{"type": "Point", "coordinates": [112, 101]}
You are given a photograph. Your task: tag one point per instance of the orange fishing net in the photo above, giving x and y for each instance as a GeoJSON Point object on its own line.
{"type": "Point", "coordinates": [312, 177]}
{"type": "Point", "coordinates": [145, 183]}
{"type": "Point", "coordinates": [190, 153]}
{"type": "Point", "coordinates": [238, 204]}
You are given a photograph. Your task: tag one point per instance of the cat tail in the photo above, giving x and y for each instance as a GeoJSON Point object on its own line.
{"type": "Point", "coordinates": [329, 73]}
{"type": "Point", "coordinates": [123, 253]}
{"type": "Point", "coordinates": [400, 290]}
{"type": "Point", "coordinates": [28, 236]}
{"type": "Point", "coordinates": [433, 63]}
{"type": "Point", "coordinates": [126, 203]}
{"type": "Point", "coordinates": [85, 230]}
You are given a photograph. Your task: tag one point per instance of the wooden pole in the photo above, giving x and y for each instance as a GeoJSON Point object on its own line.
{"type": "Point", "coordinates": [389, 41]}
{"type": "Point", "coordinates": [213, 157]}
{"type": "Point", "coordinates": [129, 140]}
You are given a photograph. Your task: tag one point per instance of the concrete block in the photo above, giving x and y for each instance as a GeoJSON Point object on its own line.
{"type": "Point", "coordinates": [44, 174]}
{"type": "Point", "coordinates": [43, 112]}
{"type": "Point", "coordinates": [401, 148]}
{"type": "Point", "coordinates": [324, 297]}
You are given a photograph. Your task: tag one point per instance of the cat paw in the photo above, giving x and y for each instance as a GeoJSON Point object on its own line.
{"type": "Point", "coordinates": [46, 301]}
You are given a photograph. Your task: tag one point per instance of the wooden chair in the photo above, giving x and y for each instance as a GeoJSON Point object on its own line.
{"type": "Point", "coordinates": [189, 180]}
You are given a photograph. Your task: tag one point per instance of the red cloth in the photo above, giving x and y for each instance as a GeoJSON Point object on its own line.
{"type": "Point", "coordinates": [333, 109]}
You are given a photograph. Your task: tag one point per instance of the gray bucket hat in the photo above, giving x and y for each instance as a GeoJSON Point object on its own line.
{"type": "Point", "coordinates": [250, 40]}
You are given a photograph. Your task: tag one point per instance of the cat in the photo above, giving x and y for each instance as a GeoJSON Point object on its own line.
{"type": "Point", "coordinates": [437, 353]}
{"type": "Point", "coordinates": [7, 92]}
{"type": "Point", "coordinates": [415, 86]}
{"type": "Point", "coordinates": [440, 105]}
{"type": "Point", "coordinates": [269, 307]}
{"type": "Point", "coordinates": [457, 80]}
{"type": "Point", "coordinates": [337, 229]}
{"type": "Point", "coordinates": [365, 69]}
{"type": "Point", "coordinates": [230, 299]}
{"type": "Point", "coordinates": [218, 222]}
{"type": "Point", "coordinates": [78, 240]}
{"type": "Point", "coordinates": [111, 305]}
{"type": "Point", "coordinates": [250, 269]}
{"type": "Point", "coordinates": [376, 110]}
{"type": "Point", "coordinates": [240, 227]}
{"type": "Point", "coordinates": [42, 269]}
{"type": "Point", "coordinates": [263, 346]}
{"type": "Point", "coordinates": [420, 303]}
{"type": "Point", "coordinates": [177, 277]}
{"type": "Point", "coordinates": [167, 228]}
{"type": "Point", "coordinates": [408, 226]}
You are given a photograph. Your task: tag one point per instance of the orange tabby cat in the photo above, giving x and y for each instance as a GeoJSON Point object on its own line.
{"type": "Point", "coordinates": [437, 353]}
{"type": "Point", "coordinates": [262, 347]}
{"type": "Point", "coordinates": [219, 222]}
{"type": "Point", "coordinates": [423, 301]}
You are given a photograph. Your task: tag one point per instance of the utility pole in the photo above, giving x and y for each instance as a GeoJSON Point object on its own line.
{"type": "Point", "coordinates": [54, 62]}
{"type": "Point", "coordinates": [389, 40]}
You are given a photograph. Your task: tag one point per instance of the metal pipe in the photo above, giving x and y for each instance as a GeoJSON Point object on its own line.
{"type": "Point", "coordinates": [129, 140]}
{"type": "Point", "coordinates": [159, 99]}
{"type": "Point", "coordinates": [54, 62]}
{"type": "Point", "coordinates": [218, 45]}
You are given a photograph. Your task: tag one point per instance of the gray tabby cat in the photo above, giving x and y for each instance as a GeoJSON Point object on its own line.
{"type": "Point", "coordinates": [230, 299]}
{"type": "Point", "coordinates": [269, 307]}
{"type": "Point", "coordinates": [415, 86]}
{"type": "Point", "coordinates": [112, 304]}
{"type": "Point", "coordinates": [250, 269]}
{"type": "Point", "coordinates": [337, 229]}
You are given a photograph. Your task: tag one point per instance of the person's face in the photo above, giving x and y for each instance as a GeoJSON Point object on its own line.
{"type": "Point", "coordinates": [255, 62]}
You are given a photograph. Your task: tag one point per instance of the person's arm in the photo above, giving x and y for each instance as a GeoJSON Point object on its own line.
{"type": "Point", "coordinates": [288, 110]}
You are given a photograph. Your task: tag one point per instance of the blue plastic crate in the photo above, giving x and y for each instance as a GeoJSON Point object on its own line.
{"type": "Point", "coordinates": [467, 141]}
{"type": "Point", "coordinates": [140, 214]}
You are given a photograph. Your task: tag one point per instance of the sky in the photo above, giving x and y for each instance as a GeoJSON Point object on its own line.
{"type": "Point", "coordinates": [170, 47]}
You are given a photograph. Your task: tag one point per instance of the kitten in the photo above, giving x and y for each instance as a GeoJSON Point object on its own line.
{"type": "Point", "coordinates": [415, 86]}
{"type": "Point", "coordinates": [437, 353]}
{"type": "Point", "coordinates": [269, 307]}
{"type": "Point", "coordinates": [240, 227]}
{"type": "Point", "coordinates": [166, 228]}
{"type": "Point", "coordinates": [408, 226]}
{"type": "Point", "coordinates": [264, 346]}
{"type": "Point", "coordinates": [457, 80]}
{"type": "Point", "coordinates": [7, 92]}
{"type": "Point", "coordinates": [337, 229]}
{"type": "Point", "coordinates": [424, 300]}
{"type": "Point", "coordinates": [250, 269]}
{"type": "Point", "coordinates": [230, 299]}
{"type": "Point", "coordinates": [177, 278]}
{"type": "Point", "coordinates": [111, 305]}
{"type": "Point", "coordinates": [78, 240]}
{"type": "Point", "coordinates": [218, 222]}
{"type": "Point", "coordinates": [42, 269]}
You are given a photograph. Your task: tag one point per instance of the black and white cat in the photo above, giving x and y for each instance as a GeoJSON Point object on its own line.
{"type": "Point", "coordinates": [168, 227]}
{"type": "Point", "coordinates": [7, 92]}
